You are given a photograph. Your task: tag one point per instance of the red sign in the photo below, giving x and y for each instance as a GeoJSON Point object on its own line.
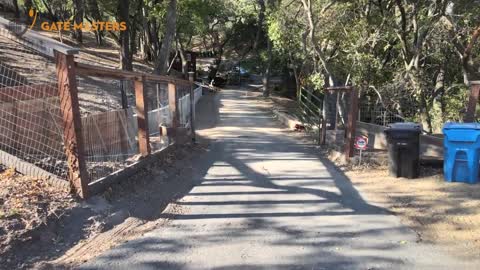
{"type": "Point", "coordinates": [361, 142]}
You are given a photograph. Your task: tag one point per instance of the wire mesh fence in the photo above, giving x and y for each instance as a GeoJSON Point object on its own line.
{"type": "Point", "coordinates": [184, 105]}
{"type": "Point", "coordinates": [337, 105]}
{"type": "Point", "coordinates": [30, 116]}
{"type": "Point", "coordinates": [331, 106]}
{"type": "Point", "coordinates": [79, 122]}
{"type": "Point", "coordinates": [110, 132]}
{"type": "Point", "coordinates": [158, 113]}
{"type": "Point", "coordinates": [99, 94]}
{"type": "Point", "coordinates": [310, 111]}
{"type": "Point", "coordinates": [376, 113]}
{"type": "Point", "coordinates": [161, 115]}
{"type": "Point", "coordinates": [330, 115]}
{"type": "Point", "coordinates": [311, 108]}
{"type": "Point", "coordinates": [110, 142]}
{"type": "Point", "coordinates": [108, 129]}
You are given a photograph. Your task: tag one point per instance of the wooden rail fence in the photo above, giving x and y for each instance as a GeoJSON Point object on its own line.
{"type": "Point", "coordinates": [78, 137]}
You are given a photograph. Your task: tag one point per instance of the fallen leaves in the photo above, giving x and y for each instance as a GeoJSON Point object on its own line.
{"type": "Point", "coordinates": [8, 173]}
{"type": "Point", "coordinates": [26, 203]}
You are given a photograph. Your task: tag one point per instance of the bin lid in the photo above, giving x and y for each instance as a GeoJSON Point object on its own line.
{"type": "Point", "coordinates": [453, 125]}
{"type": "Point", "coordinates": [407, 126]}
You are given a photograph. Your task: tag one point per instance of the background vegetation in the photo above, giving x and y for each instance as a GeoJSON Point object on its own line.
{"type": "Point", "coordinates": [415, 57]}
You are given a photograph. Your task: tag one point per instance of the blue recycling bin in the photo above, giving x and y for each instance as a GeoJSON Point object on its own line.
{"type": "Point", "coordinates": [461, 152]}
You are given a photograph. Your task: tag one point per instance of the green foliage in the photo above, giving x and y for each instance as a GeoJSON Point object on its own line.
{"type": "Point", "coordinates": [316, 81]}
{"type": "Point", "coordinates": [455, 103]}
{"type": "Point", "coordinates": [410, 51]}
{"type": "Point", "coordinates": [61, 9]}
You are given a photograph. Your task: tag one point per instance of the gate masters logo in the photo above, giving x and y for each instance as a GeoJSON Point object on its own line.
{"type": "Point", "coordinates": [20, 29]}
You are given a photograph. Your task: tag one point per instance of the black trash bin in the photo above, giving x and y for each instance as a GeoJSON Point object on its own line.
{"type": "Point", "coordinates": [404, 149]}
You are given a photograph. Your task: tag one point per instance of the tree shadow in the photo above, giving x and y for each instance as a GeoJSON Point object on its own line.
{"type": "Point", "coordinates": [299, 219]}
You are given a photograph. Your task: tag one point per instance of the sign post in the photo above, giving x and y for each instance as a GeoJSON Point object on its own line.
{"type": "Point", "coordinates": [361, 143]}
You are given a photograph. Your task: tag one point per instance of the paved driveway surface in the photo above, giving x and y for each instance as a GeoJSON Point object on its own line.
{"type": "Point", "coordinates": [264, 200]}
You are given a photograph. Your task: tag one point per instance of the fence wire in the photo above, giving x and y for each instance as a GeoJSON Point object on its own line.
{"type": "Point", "coordinates": [111, 135]}
{"type": "Point", "coordinates": [109, 127]}
{"type": "Point", "coordinates": [158, 114]}
{"type": "Point", "coordinates": [333, 107]}
{"type": "Point", "coordinates": [110, 142]}
{"type": "Point", "coordinates": [310, 112]}
{"type": "Point", "coordinates": [31, 125]}
{"type": "Point", "coordinates": [377, 114]}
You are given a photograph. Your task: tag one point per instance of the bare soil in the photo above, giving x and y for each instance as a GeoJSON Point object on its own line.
{"type": "Point", "coordinates": [442, 213]}
{"type": "Point", "coordinates": [26, 205]}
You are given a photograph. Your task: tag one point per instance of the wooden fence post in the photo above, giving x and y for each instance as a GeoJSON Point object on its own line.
{"type": "Point", "coordinates": [337, 111]}
{"type": "Point", "coordinates": [191, 76]}
{"type": "Point", "coordinates": [142, 117]}
{"type": "Point", "coordinates": [323, 137]}
{"type": "Point", "coordinates": [173, 105]}
{"type": "Point", "coordinates": [320, 123]}
{"type": "Point", "coordinates": [72, 124]}
{"type": "Point", "coordinates": [472, 102]}
{"type": "Point", "coordinates": [352, 123]}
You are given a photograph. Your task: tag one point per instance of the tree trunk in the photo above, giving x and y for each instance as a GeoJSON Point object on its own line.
{"type": "Point", "coordinates": [79, 13]}
{"type": "Point", "coordinates": [184, 59]}
{"type": "Point", "coordinates": [437, 102]}
{"type": "Point", "coordinates": [16, 9]}
{"type": "Point", "coordinates": [28, 6]}
{"type": "Point", "coordinates": [213, 72]}
{"type": "Point", "coordinates": [307, 6]}
{"type": "Point", "coordinates": [146, 40]}
{"type": "Point", "coordinates": [161, 64]}
{"type": "Point", "coordinates": [154, 40]}
{"type": "Point", "coordinates": [260, 20]}
{"type": "Point", "coordinates": [266, 75]}
{"type": "Point", "coordinates": [468, 64]}
{"type": "Point", "coordinates": [92, 10]}
{"type": "Point", "coordinates": [133, 41]}
{"type": "Point", "coordinates": [297, 82]}
{"type": "Point", "coordinates": [426, 113]}
{"type": "Point", "coordinates": [135, 27]}
{"type": "Point", "coordinates": [125, 55]}
{"type": "Point", "coordinates": [145, 48]}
